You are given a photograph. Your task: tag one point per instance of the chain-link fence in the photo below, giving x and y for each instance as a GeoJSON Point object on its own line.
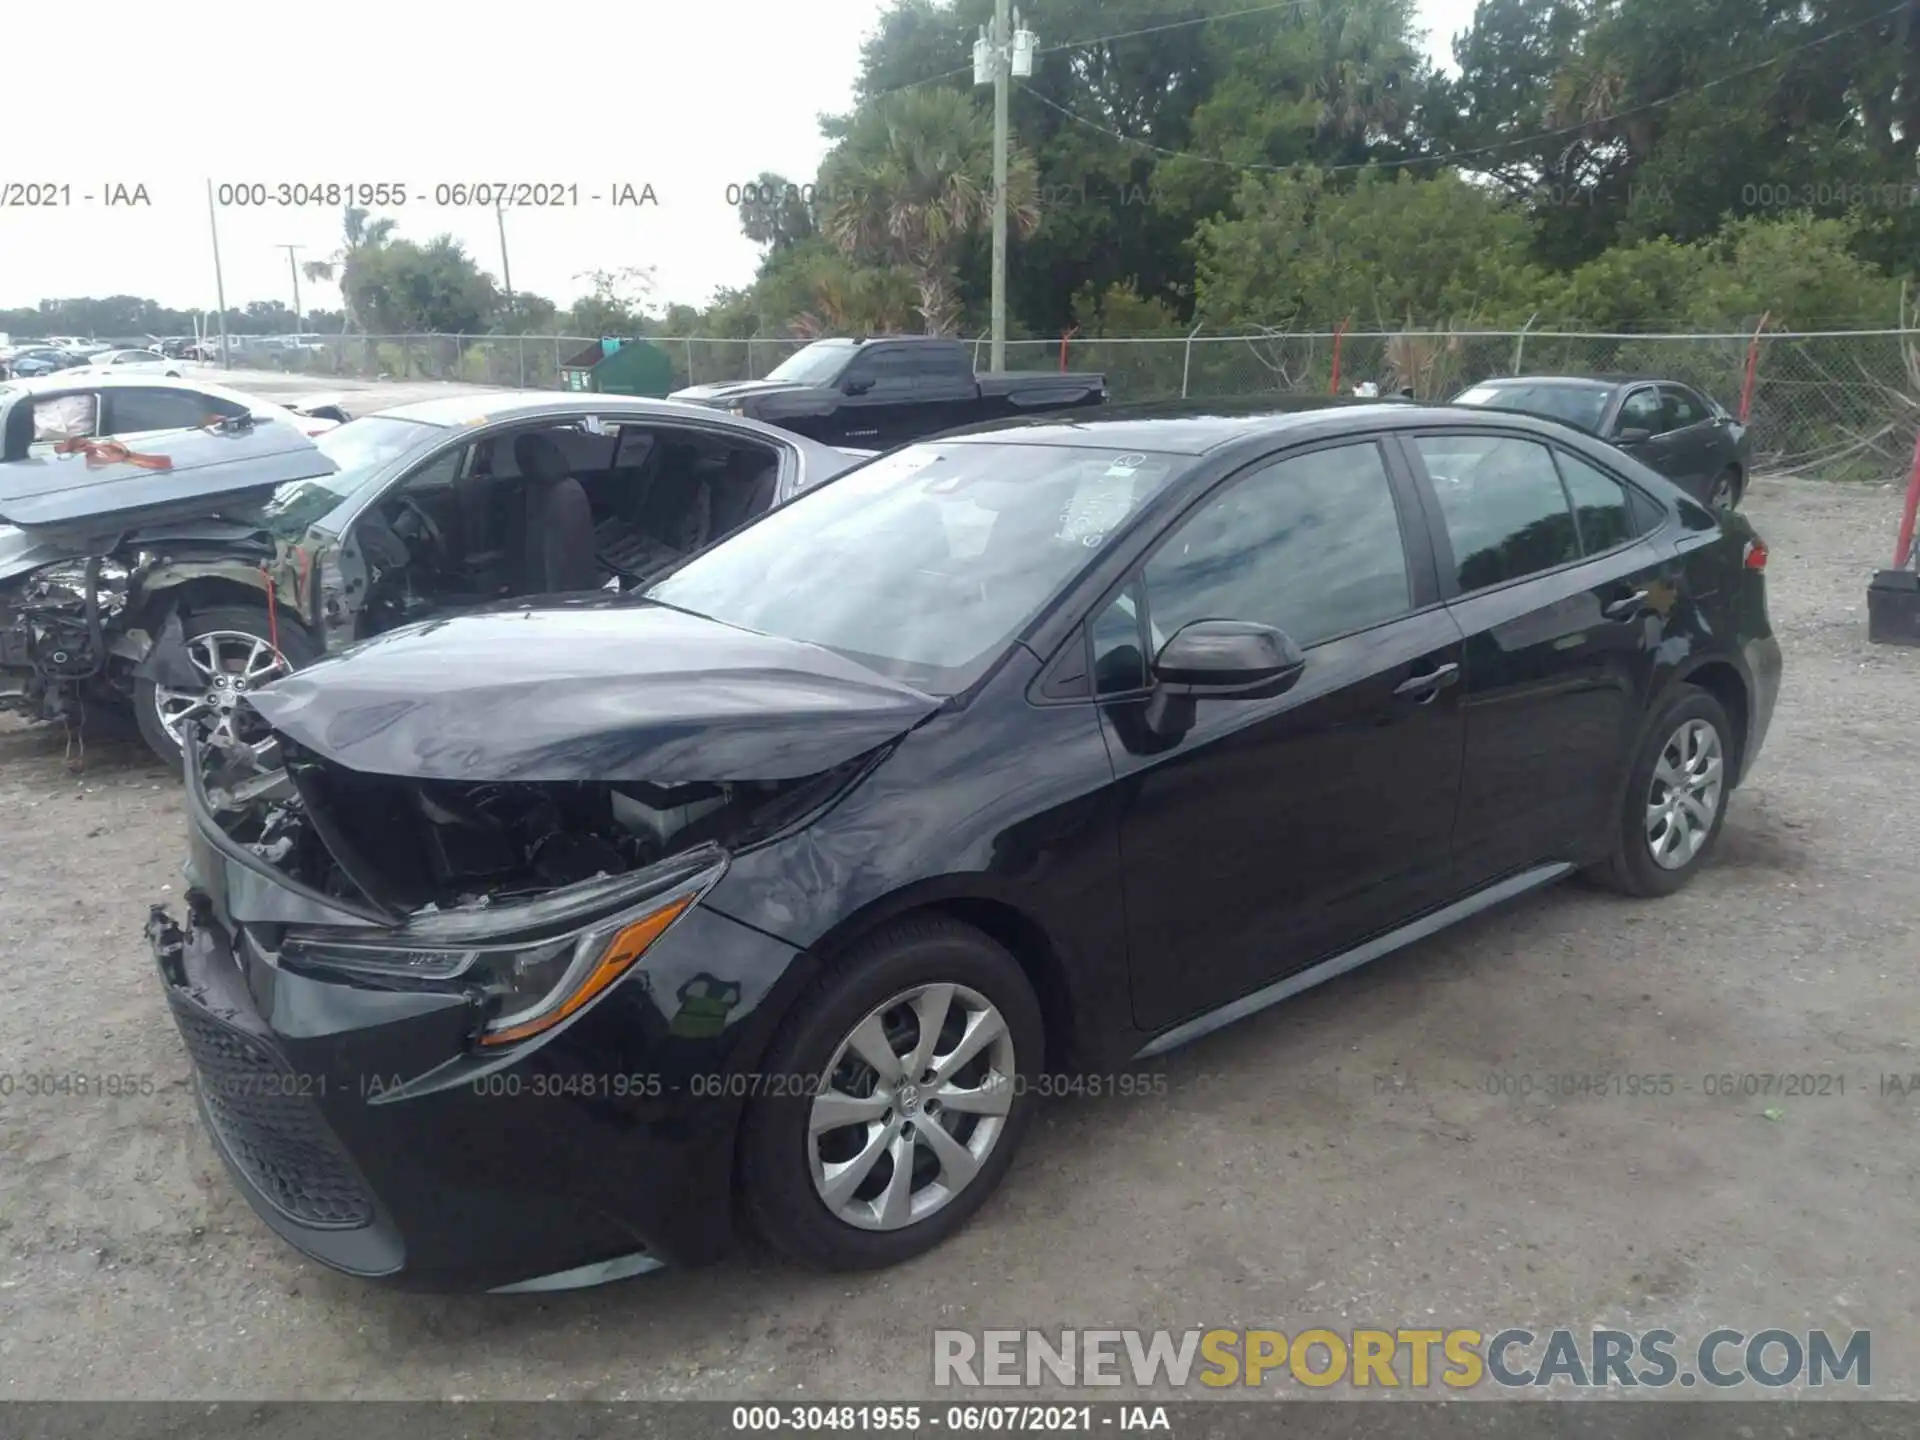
{"type": "Point", "coordinates": [1845, 402]}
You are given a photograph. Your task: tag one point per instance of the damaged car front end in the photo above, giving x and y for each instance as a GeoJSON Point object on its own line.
{"type": "Point", "coordinates": [102, 548]}
{"type": "Point", "coordinates": [456, 972]}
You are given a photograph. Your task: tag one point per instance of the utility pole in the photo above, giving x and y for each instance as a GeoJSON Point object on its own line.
{"type": "Point", "coordinates": [294, 270]}
{"type": "Point", "coordinates": [219, 284]}
{"type": "Point", "coordinates": [999, 55]}
{"type": "Point", "coordinates": [506, 270]}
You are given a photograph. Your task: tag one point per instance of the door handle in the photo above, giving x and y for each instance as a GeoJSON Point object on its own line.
{"type": "Point", "coordinates": [1627, 606]}
{"type": "Point", "coordinates": [1430, 684]}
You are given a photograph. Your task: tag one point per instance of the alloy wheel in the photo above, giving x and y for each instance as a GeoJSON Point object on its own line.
{"type": "Point", "coordinates": [915, 1100]}
{"type": "Point", "coordinates": [1684, 796]}
{"type": "Point", "coordinates": [230, 663]}
{"type": "Point", "coordinates": [1720, 497]}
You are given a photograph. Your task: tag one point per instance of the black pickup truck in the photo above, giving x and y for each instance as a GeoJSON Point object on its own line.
{"type": "Point", "coordinates": [885, 390]}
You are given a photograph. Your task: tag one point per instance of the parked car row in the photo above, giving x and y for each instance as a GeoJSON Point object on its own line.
{"type": "Point", "coordinates": [575, 763]}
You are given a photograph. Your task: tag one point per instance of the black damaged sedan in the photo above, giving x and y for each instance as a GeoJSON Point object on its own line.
{"type": "Point", "coordinates": [546, 945]}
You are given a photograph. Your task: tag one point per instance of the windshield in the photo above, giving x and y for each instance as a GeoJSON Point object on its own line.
{"type": "Point", "coordinates": [924, 564]}
{"type": "Point", "coordinates": [1578, 405]}
{"type": "Point", "coordinates": [817, 364]}
{"type": "Point", "coordinates": [359, 448]}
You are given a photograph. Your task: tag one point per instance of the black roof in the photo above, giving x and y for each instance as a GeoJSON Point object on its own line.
{"type": "Point", "coordinates": [1605, 380]}
{"type": "Point", "coordinates": [1185, 427]}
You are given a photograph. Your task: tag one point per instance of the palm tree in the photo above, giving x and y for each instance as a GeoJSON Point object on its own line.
{"type": "Point", "coordinates": [361, 237]}
{"type": "Point", "coordinates": [912, 181]}
{"type": "Point", "coordinates": [1365, 65]}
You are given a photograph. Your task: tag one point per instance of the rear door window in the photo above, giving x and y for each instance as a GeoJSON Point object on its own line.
{"type": "Point", "coordinates": [63, 417]}
{"type": "Point", "coordinates": [1505, 511]}
{"type": "Point", "coordinates": [1680, 407]}
{"type": "Point", "coordinates": [143, 408]}
{"type": "Point", "coordinates": [1602, 508]}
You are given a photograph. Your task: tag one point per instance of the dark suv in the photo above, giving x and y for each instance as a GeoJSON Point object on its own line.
{"type": "Point", "coordinates": [520, 943]}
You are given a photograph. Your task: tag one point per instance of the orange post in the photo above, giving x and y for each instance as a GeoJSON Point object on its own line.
{"type": "Point", "coordinates": [1339, 334]}
{"type": "Point", "coordinates": [1753, 369]}
{"type": "Point", "coordinates": [1903, 547]}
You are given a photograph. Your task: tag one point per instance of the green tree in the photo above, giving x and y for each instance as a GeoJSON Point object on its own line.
{"type": "Point", "coordinates": [911, 182]}
{"type": "Point", "coordinates": [405, 288]}
{"type": "Point", "coordinates": [1298, 253]}
{"type": "Point", "coordinates": [615, 303]}
{"type": "Point", "coordinates": [1800, 268]}
{"type": "Point", "coordinates": [362, 238]}
{"type": "Point", "coordinates": [775, 213]}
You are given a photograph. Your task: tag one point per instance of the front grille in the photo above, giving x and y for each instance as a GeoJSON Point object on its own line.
{"type": "Point", "coordinates": [265, 1116]}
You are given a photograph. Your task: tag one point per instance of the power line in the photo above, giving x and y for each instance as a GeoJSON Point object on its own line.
{"type": "Point", "coordinates": [1175, 25]}
{"type": "Point", "coordinates": [1105, 40]}
{"type": "Point", "coordinates": [1454, 155]}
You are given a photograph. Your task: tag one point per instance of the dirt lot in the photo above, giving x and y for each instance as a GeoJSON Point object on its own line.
{"type": "Point", "coordinates": [1278, 1182]}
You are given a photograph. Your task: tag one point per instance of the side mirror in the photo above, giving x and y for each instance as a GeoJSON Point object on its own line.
{"type": "Point", "coordinates": [1632, 435]}
{"type": "Point", "coordinates": [1220, 659]}
{"type": "Point", "coordinates": [856, 387]}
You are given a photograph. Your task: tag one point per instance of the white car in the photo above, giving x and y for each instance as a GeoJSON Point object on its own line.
{"type": "Point", "coordinates": [148, 362]}
{"type": "Point", "coordinates": [96, 403]}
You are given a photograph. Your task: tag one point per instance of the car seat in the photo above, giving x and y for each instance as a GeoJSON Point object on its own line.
{"type": "Point", "coordinates": [558, 557]}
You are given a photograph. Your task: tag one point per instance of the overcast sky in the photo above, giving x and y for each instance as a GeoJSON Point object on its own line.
{"type": "Point", "coordinates": [687, 98]}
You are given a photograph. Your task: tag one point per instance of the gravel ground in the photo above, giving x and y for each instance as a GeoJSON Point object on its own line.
{"type": "Point", "coordinates": [1277, 1182]}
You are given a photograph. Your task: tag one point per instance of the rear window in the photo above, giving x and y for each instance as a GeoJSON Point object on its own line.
{"type": "Point", "coordinates": [1578, 405]}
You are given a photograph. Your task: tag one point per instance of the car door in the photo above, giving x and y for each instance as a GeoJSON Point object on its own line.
{"type": "Point", "coordinates": [946, 393]}
{"type": "Point", "coordinates": [877, 400]}
{"type": "Point", "coordinates": [1638, 426]}
{"type": "Point", "coordinates": [1277, 831]}
{"type": "Point", "coordinates": [1562, 602]}
{"type": "Point", "coordinates": [1692, 433]}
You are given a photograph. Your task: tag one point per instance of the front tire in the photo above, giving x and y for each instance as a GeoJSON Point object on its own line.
{"type": "Point", "coordinates": [231, 648]}
{"type": "Point", "coordinates": [1676, 798]}
{"type": "Point", "coordinates": [910, 1058]}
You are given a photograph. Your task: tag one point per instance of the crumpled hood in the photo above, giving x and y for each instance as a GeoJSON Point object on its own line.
{"type": "Point", "coordinates": [720, 393]}
{"type": "Point", "coordinates": [69, 496]}
{"type": "Point", "coordinates": [611, 690]}
{"type": "Point", "coordinates": [21, 552]}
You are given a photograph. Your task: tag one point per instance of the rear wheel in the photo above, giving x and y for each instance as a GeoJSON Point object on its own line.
{"type": "Point", "coordinates": [232, 651]}
{"type": "Point", "coordinates": [1675, 800]}
{"type": "Point", "coordinates": [907, 1060]}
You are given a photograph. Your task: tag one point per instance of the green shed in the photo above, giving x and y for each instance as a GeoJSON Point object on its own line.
{"type": "Point", "coordinates": [619, 367]}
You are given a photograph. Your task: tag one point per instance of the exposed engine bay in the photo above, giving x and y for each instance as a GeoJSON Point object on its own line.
{"type": "Point", "coordinates": [78, 629]}
{"type": "Point", "coordinates": [411, 847]}
{"type": "Point", "coordinates": [58, 621]}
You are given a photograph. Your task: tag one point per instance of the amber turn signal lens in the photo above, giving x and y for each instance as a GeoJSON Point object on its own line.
{"type": "Point", "coordinates": [622, 951]}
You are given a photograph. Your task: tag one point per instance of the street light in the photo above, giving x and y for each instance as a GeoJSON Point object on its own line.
{"type": "Point", "coordinates": [1005, 50]}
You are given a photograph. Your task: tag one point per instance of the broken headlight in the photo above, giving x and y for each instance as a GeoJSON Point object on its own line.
{"type": "Point", "coordinates": [529, 985]}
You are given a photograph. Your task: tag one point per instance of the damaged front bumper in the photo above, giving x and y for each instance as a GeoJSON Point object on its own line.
{"type": "Point", "coordinates": [380, 1118]}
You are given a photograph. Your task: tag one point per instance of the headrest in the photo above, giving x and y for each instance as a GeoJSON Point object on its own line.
{"type": "Point", "coordinates": [539, 458]}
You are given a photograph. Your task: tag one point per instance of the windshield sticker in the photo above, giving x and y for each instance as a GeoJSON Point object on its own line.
{"type": "Point", "coordinates": [1095, 509]}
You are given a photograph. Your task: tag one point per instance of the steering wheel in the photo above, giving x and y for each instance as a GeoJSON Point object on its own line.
{"type": "Point", "coordinates": [427, 526]}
